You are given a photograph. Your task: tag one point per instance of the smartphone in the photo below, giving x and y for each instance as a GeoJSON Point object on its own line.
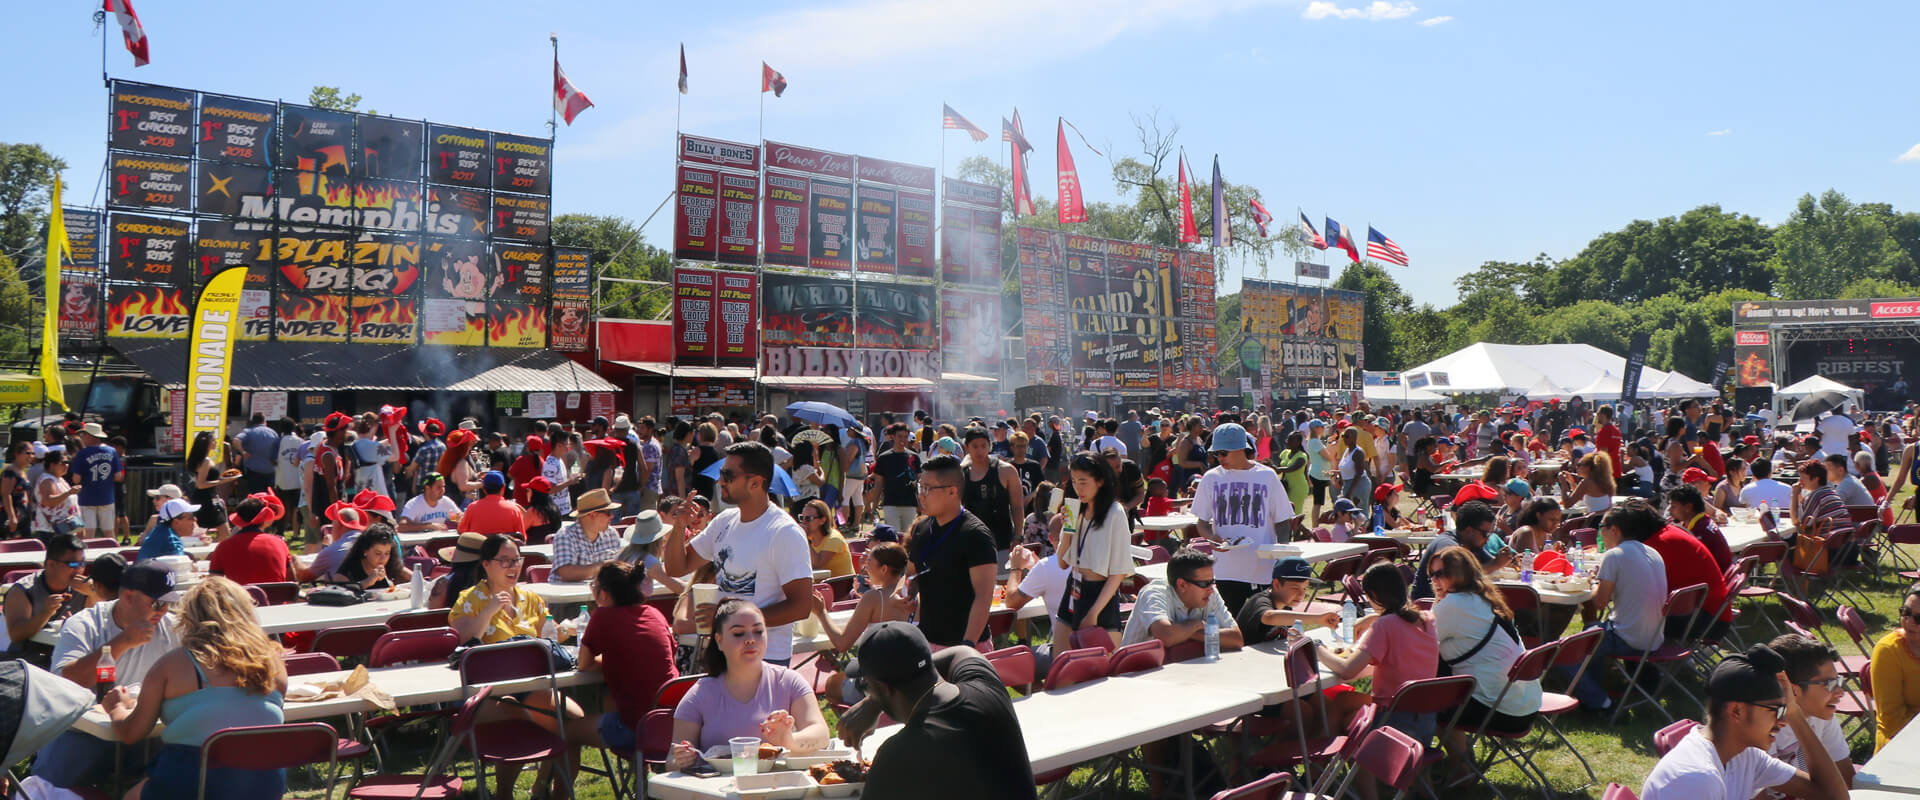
{"type": "Point", "coordinates": [702, 769]}
{"type": "Point", "coordinates": [1053, 503]}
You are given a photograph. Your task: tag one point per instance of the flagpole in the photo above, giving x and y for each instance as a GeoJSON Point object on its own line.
{"type": "Point", "coordinates": [100, 19]}
{"type": "Point", "coordinates": [553, 115]}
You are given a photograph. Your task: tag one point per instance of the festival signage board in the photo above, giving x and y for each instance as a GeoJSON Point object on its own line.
{"type": "Point", "coordinates": [845, 362]}
{"type": "Point", "coordinates": [459, 156]}
{"type": "Point", "coordinates": [521, 271]}
{"type": "Point", "coordinates": [567, 331]}
{"type": "Point", "coordinates": [79, 306]}
{"type": "Point", "coordinates": [696, 203]}
{"type": "Point", "coordinates": [150, 182]}
{"type": "Point", "coordinates": [738, 221]}
{"type": "Point", "coordinates": [384, 264]}
{"type": "Point", "coordinates": [1043, 299]}
{"type": "Point", "coordinates": [717, 201]}
{"type": "Point", "coordinates": [387, 204]}
{"type": "Point", "coordinates": [316, 140]}
{"type": "Point", "coordinates": [313, 260]}
{"type": "Point", "coordinates": [219, 244]}
{"type": "Point", "coordinates": [516, 325]}
{"type": "Point", "coordinates": [875, 228]}
{"type": "Point", "coordinates": [735, 306]}
{"type": "Point", "coordinates": [451, 321]}
{"type": "Point", "coordinates": [147, 312]}
{"type": "Point", "coordinates": [895, 316]}
{"type": "Point", "coordinates": [806, 310]}
{"type": "Point", "coordinates": [151, 119]}
{"type": "Point", "coordinates": [148, 250]}
{"type": "Point", "coordinates": [386, 320]}
{"type": "Point", "coordinates": [236, 131]}
{"type": "Point", "coordinates": [311, 318]}
{"type": "Point", "coordinates": [256, 315]}
{"type": "Point", "coordinates": [785, 220]}
{"type": "Point", "coordinates": [459, 269]}
{"type": "Point", "coordinates": [1312, 336]}
{"type": "Point", "coordinates": [83, 241]}
{"type": "Point", "coordinates": [914, 234]}
{"type": "Point", "coordinates": [693, 396]}
{"type": "Point", "coordinates": [390, 148]}
{"type": "Point", "coordinates": [454, 211]}
{"type": "Point", "coordinates": [694, 290]}
{"type": "Point", "coordinates": [572, 273]}
{"type": "Point", "coordinates": [970, 331]}
{"type": "Point", "coordinates": [970, 233]}
{"type": "Point", "coordinates": [1103, 314]}
{"type": "Point", "coordinates": [526, 218]}
{"type": "Point", "coordinates": [830, 234]}
{"type": "Point", "coordinates": [231, 190]}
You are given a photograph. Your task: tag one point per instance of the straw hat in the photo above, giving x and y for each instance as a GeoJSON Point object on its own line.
{"type": "Point", "coordinates": [465, 550]}
{"type": "Point", "coordinates": [593, 500]}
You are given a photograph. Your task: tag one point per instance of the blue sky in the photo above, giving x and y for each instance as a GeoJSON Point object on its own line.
{"type": "Point", "coordinates": [1466, 130]}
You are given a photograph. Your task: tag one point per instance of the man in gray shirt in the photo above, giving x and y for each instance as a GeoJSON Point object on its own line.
{"type": "Point", "coordinates": [1632, 574]}
{"type": "Point", "coordinates": [1852, 491]}
{"type": "Point", "coordinates": [1130, 432]}
{"type": "Point", "coordinates": [1412, 432]}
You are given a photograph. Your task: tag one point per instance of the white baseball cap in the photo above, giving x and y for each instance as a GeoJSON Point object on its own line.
{"type": "Point", "coordinates": [175, 509]}
{"type": "Point", "coordinates": [165, 490]}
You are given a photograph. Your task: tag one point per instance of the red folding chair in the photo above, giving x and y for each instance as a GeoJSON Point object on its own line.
{"type": "Point", "coordinates": [1137, 657]}
{"type": "Point", "coordinates": [1663, 658]}
{"type": "Point", "coordinates": [1335, 574]}
{"type": "Point", "coordinates": [1302, 665]}
{"type": "Point", "coordinates": [512, 741]}
{"type": "Point", "coordinates": [23, 546]}
{"type": "Point", "coordinates": [1442, 697]}
{"type": "Point", "coordinates": [842, 586]}
{"type": "Point", "coordinates": [1761, 585]}
{"type": "Point", "coordinates": [1093, 637]}
{"type": "Point", "coordinates": [1907, 534]}
{"type": "Point", "coordinates": [280, 592]}
{"type": "Point", "coordinates": [1016, 666]}
{"type": "Point", "coordinates": [1157, 554]}
{"type": "Point", "coordinates": [1523, 597]}
{"type": "Point", "coordinates": [1531, 666]}
{"type": "Point", "coordinates": [106, 542]}
{"type": "Point", "coordinates": [1617, 792]}
{"type": "Point", "coordinates": [348, 642]}
{"type": "Point", "coordinates": [1575, 651]}
{"type": "Point", "coordinates": [418, 620]}
{"type": "Point", "coordinates": [437, 783]}
{"type": "Point", "coordinates": [1272, 787]}
{"type": "Point", "coordinates": [1075, 667]}
{"type": "Point", "coordinates": [268, 747]}
{"type": "Point", "coordinates": [1390, 756]}
{"type": "Point", "coordinates": [416, 646]}
{"type": "Point", "coordinates": [1669, 737]}
{"type": "Point", "coordinates": [254, 593]}
{"type": "Point", "coordinates": [1856, 704]}
{"type": "Point", "coordinates": [537, 573]}
{"type": "Point", "coordinates": [1346, 746]}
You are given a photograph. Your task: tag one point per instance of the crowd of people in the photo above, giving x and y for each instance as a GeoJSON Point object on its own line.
{"type": "Point", "coordinates": [934, 523]}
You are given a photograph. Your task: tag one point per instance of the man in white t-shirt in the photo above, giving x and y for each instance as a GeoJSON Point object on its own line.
{"type": "Point", "coordinates": [1242, 504]}
{"type": "Point", "coordinates": [1108, 429]}
{"type": "Point", "coordinates": [137, 629]}
{"type": "Point", "coordinates": [1748, 695]}
{"type": "Point", "coordinates": [432, 509]}
{"type": "Point", "coordinates": [1764, 489]}
{"type": "Point", "coordinates": [1044, 580]}
{"type": "Point", "coordinates": [1811, 665]}
{"type": "Point", "coordinates": [1834, 429]}
{"type": "Point", "coordinates": [760, 552]}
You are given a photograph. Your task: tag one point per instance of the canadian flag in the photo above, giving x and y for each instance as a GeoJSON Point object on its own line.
{"type": "Point", "coordinates": [568, 100]}
{"type": "Point", "coordinates": [130, 29]}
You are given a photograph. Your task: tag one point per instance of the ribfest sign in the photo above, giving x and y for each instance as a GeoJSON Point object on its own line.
{"type": "Point", "coordinates": [349, 227]}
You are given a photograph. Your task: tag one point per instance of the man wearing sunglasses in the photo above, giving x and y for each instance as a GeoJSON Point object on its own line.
{"type": "Point", "coordinates": [55, 593]}
{"type": "Point", "coordinates": [1176, 610]}
{"type": "Point", "coordinates": [137, 627]}
{"type": "Point", "coordinates": [1749, 696]}
{"type": "Point", "coordinates": [1814, 667]}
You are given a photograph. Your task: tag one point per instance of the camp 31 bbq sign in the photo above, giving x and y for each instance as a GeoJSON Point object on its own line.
{"type": "Point", "coordinates": [346, 222]}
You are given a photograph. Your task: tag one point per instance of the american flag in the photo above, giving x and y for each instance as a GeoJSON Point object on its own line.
{"type": "Point", "coordinates": [1382, 248]}
{"type": "Point", "coordinates": [955, 122]}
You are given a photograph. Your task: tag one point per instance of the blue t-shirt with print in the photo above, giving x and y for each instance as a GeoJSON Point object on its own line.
{"type": "Point", "coordinates": [94, 467]}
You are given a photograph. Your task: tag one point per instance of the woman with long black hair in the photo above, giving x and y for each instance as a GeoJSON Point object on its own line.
{"type": "Point", "coordinates": [1096, 544]}
{"type": "Point", "coordinates": [542, 515]}
{"type": "Point", "coordinates": [203, 473]}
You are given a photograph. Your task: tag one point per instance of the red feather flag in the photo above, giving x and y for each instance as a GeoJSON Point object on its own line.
{"type": "Point", "coordinates": [1189, 230]}
{"type": "Point", "coordinates": [1072, 206]}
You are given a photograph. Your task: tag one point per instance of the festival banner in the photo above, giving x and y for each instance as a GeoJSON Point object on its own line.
{"type": "Point", "coordinates": [739, 220]}
{"type": "Point", "coordinates": [522, 272]}
{"type": "Point", "coordinates": [79, 306]}
{"type": "Point", "coordinates": [516, 325]}
{"type": "Point", "coordinates": [315, 260]}
{"type": "Point", "coordinates": [458, 157]}
{"type": "Point", "coordinates": [572, 273]}
{"type": "Point", "coordinates": [453, 322]}
{"type": "Point", "coordinates": [460, 269]}
{"type": "Point", "coordinates": [806, 310]}
{"type": "Point", "coordinates": [970, 331]}
{"type": "Point", "coordinates": [830, 243]}
{"type": "Point", "coordinates": [523, 217]}
{"type": "Point", "coordinates": [956, 243]}
{"type": "Point", "coordinates": [1043, 299]}
{"type": "Point", "coordinates": [390, 148]}
{"type": "Point", "coordinates": [387, 205]}
{"type": "Point", "coordinates": [219, 245]}
{"type": "Point", "coordinates": [158, 183]}
{"type": "Point", "coordinates": [874, 228]}
{"type": "Point", "coordinates": [735, 304]}
{"type": "Point", "coordinates": [151, 119]}
{"type": "Point", "coordinates": [985, 250]}
{"type": "Point", "coordinates": [697, 198]}
{"type": "Point", "coordinates": [82, 254]}
{"type": "Point", "coordinates": [916, 255]}
{"type": "Point", "coordinates": [385, 264]}
{"type": "Point", "coordinates": [893, 173]}
{"type": "Point", "coordinates": [256, 315]}
{"type": "Point", "coordinates": [808, 161]}
{"type": "Point", "coordinates": [311, 318]}
{"type": "Point", "coordinates": [1311, 336]}
{"type": "Point", "coordinates": [694, 290]}
{"type": "Point", "coordinates": [719, 153]}
{"type": "Point", "coordinates": [969, 212]}
{"type": "Point", "coordinates": [316, 140]}
{"type": "Point", "coordinates": [785, 222]}
{"type": "Point", "coordinates": [216, 321]}
{"type": "Point", "coordinates": [568, 330]}
{"type": "Point", "coordinates": [1195, 287]}
{"type": "Point", "coordinates": [457, 212]}
{"type": "Point", "coordinates": [229, 190]}
{"type": "Point", "coordinates": [147, 312]}
{"type": "Point", "coordinates": [148, 250]}
{"type": "Point", "coordinates": [692, 396]}
{"type": "Point", "coordinates": [896, 316]}
{"type": "Point", "coordinates": [235, 130]}
{"type": "Point", "coordinates": [843, 362]}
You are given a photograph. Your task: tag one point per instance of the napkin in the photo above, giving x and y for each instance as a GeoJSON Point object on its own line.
{"type": "Point", "coordinates": [356, 684]}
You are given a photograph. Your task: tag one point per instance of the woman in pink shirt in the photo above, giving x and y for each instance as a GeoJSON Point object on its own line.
{"type": "Point", "coordinates": [743, 695]}
{"type": "Point", "coordinates": [1397, 640]}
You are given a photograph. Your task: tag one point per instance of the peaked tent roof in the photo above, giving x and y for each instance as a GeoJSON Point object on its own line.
{"type": "Point", "coordinates": [1816, 383]}
{"type": "Point", "coordinates": [1678, 385]}
{"type": "Point", "coordinates": [1544, 389]}
{"type": "Point", "coordinates": [1515, 368]}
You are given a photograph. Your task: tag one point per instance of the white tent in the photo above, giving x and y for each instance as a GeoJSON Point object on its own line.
{"type": "Point", "coordinates": [1678, 385]}
{"type": "Point", "coordinates": [1820, 384]}
{"type": "Point", "coordinates": [1544, 389]}
{"type": "Point", "coordinates": [1402, 396]}
{"type": "Point", "coordinates": [1508, 369]}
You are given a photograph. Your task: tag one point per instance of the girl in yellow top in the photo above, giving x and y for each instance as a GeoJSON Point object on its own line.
{"type": "Point", "coordinates": [1896, 673]}
{"type": "Point", "coordinates": [496, 608]}
{"type": "Point", "coordinates": [829, 548]}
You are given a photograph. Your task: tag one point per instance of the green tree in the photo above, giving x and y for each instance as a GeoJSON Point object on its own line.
{"type": "Point", "coordinates": [26, 179]}
{"type": "Point", "coordinates": [1608, 326]}
{"type": "Point", "coordinates": [1704, 250]}
{"type": "Point", "coordinates": [1419, 337]}
{"type": "Point", "coordinates": [619, 251]}
{"type": "Point", "coordinates": [330, 98]}
{"type": "Point", "coordinates": [1385, 303]}
{"type": "Point", "coordinates": [1826, 244]}
{"type": "Point", "coordinates": [1525, 280]}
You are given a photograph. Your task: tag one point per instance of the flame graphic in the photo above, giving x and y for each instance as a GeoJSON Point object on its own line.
{"type": "Point", "coordinates": [399, 313]}
{"type": "Point", "coordinates": [519, 326]}
{"type": "Point", "coordinates": [383, 194]}
{"type": "Point", "coordinates": [144, 302]}
{"type": "Point", "coordinates": [334, 193]}
{"type": "Point", "coordinates": [314, 309]}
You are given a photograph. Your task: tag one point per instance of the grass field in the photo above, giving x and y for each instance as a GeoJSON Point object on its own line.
{"type": "Point", "coordinates": [1620, 753]}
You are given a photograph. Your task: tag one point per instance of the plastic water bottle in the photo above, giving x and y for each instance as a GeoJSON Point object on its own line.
{"type": "Point", "coordinates": [1578, 554]}
{"type": "Point", "coordinates": [1526, 566]}
{"type": "Point", "coordinates": [1347, 614]}
{"type": "Point", "coordinates": [548, 630]}
{"type": "Point", "coordinates": [1299, 628]}
{"type": "Point", "coordinates": [1213, 638]}
{"type": "Point", "coordinates": [419, 590]}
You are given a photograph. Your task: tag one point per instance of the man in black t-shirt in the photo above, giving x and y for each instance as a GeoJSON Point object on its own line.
{"type": "Point", "coordinates": [952, 559]}
{"type": "Point", "coordinates": [899, 469]}
{"type": "Point", "coordinates": [959, 738]}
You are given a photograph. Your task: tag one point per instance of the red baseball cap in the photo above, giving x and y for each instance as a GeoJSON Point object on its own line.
{"type": "Point", "coordinates": [1695, 475]}
{"type": "Point", "coordinates": [1476, 491]}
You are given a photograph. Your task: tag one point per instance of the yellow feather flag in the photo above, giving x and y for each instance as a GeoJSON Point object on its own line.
{"type": "Point", "coordinates": [50, 328]}
{"type": "Point", "coordinates": [216, 319]}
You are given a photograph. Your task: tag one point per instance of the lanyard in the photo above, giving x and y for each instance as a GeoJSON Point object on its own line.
{"type": "Point", "coordinates": [932, 547]}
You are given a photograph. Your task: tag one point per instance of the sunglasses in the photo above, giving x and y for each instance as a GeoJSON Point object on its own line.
{"type": "Point", "coordinates": [69, 564]}
{"type": "Point", "coordinates": [927, 487]}
{"type": "Point", "coordinates": [1906, 613]}
{"type": "Point", "coordinates": [1206, 584]}
{"type": "Point", "coordinates": [1779, 711]}
{"type": "Point", "coordinates": [1833, 684]}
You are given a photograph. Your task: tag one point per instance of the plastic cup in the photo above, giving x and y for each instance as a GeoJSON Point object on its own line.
{"type": "Point", "coordinates": [704, 594]}
{"type": "Point", "coordinates": [746, 755]}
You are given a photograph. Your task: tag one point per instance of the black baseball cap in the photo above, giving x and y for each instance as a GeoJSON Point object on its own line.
{"type": "Point", "coordinates": [1748, 677]}
{"type": "Point", "coordinates": [152, 581]}
{"type": "Point", "coordinates": [1293, 569]}
{"type": "Point", "coordinates": [894, 652]}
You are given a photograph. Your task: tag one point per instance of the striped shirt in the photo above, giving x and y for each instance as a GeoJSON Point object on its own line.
{"type": "Point", "coordinates": [1825, 503]}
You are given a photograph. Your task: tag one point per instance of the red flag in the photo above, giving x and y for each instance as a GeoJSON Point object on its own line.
{"type": "Point", "coordinates": [130, 29]}
{"type": "Point", "coordinates": [1189, 230]}
{"type": "Point", "coordinates": [568, 100]}
{"type": "Point", "coordinates": [1022, 190]}
{"type": "Point", "coordinates": [1260, 215]}
{"type": "Point", "coordinates": [771, 81]}
{"type": "Point", "coordinates": [683, 68]}
{"type": "Point", "coordinates": [1072, 207]}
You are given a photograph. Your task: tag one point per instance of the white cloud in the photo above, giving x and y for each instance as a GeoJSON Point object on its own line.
{"type": "Point", "coordinates": [1725, 131]}
{"type": "Point", "coordinates": [1432, 21]}
{"type": "Point", "coordinates": [1912, 154]}
{"type": "Point", "coordinates": [1376, 10]}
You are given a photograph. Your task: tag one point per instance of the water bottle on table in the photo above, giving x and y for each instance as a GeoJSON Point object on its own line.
{"type": "Point", "coordinates": [1213, 638]}
{"type": "Point", "coordinates": [1526, 566]}
{"type": "Point", "coordinates": [1347, 615]}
